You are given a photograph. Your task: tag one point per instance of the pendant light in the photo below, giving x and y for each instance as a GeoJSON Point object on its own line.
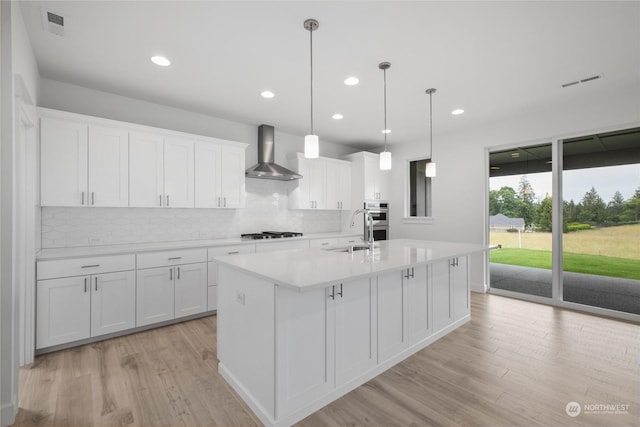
{"type": "Point", "coordinates": [385, 156]}
{"type": "Point", "coordinates": [430, 170]}
{"type": "Point", "coordinates": [311, 143]}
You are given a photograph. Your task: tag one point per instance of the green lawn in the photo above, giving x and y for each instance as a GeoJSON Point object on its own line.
{"type": "Point", "coordinates": [577, 263]}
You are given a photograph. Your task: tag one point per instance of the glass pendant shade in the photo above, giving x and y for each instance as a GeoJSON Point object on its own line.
{"type": "Point", "coordinates": [385, 160]}
{"type": "Point", "coordinates": [430, 170]}
{"type": "Point", "coordinates": [311, 147]}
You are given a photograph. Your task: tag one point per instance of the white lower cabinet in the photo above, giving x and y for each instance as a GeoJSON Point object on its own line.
{"type": "Point", "coordinates": [154, 295]}
{"type": "Point", "coordinates": [190, 289]}
{"type": "Point", "coordinates": [392, 317]}
{"type": "Point", "coordinates": [450, 291]}
{"type": "Point", "coordinates": [212, 268]}
{"type": "Point", "coordinates": [167, 293]}
{"type": "Point", "coordinates": [418, 303]}
{"type": "Point", "coordinates": [340, 347]}
{"type": "Point", "coordinates": [113, 306]}
{"type": "Point", "coordinates": [74, 308]}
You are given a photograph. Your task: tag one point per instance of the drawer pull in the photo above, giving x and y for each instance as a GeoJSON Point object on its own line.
{"type": "Point", "coordinates": [178, 272]}
{"type": "Point", "coordinates": [85, 284]}
{"type": "Point", "coordinates": [324, 244]}
{"type": "Point", "coordinates": [234, 252]}
{"type": "Point", "coordinates": [90, 266]}
{"type": "Point", "coordinates": [174, 258]}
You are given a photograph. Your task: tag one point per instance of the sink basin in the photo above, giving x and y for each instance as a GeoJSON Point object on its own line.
{"type": "Point", "coordinates": [352, 249]}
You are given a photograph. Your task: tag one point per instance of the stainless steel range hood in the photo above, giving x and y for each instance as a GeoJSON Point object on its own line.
{"type": "Point", "coordinates": [266, 168]}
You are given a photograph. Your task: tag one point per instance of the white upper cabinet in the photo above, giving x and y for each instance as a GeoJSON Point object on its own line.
{"type": "Point", "coordinates": [108, 167]}
{"type": "Point", "coordinates": [146, 170]}
{"type": "Point", "coordinates": [63, 153]}
{"type": "Point", "coordinates": [88, 161]}
{"type": "Point", "coordinates": [368, 181]}
{"type": "Point", "coordinates": [219, 176]}
{"type": "Point", "coordinates": [83, 165]}
{"type": "Point", "coordinates": [178, 173]}
{"type": "Point", "coordinates": [325, 184]}
{"type": "Point", "coordinates": [338, 181]}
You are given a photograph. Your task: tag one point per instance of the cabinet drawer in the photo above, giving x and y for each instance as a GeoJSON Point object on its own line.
{"type": "Point", "coordinates": [168, 258]}
{"type": "Point", "coordinates": [230, 250]}
{"type": "Point", "coordinates": [346, 241]}
{"type": "Point", "coordinates": [324, 243]}
{"type": "Point", "coordinates": [83, 266]}
{"type": "Point", "coordinates": [281, 246]}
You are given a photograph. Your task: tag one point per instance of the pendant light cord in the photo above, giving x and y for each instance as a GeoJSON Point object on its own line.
{"type": "Point", "coordinates": [430, 127]}
{"type": "Point", "coordinates": [311, 61]}
{"type": "Point", "coordinates": [384, 71]}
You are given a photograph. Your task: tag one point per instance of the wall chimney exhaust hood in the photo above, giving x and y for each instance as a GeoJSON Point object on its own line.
{"type": "Point", "coordinates": [266, 168]}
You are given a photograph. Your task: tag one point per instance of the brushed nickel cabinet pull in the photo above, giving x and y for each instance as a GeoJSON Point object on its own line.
{"type": "Point", "coordinates": [167, 200]}
{"type": "Point", "coordinates": [340, 293]}
{"type": "Point", "coordinates": [82, 203]}
{"type": "Point", "coordinates": [171, 274]}
{"type": "Point", "coordinates": [333, 292]}
{"type": "Point", "coordinates": [234, 252]}
{"type": "Point", "coordinates": [90, 266]}
{"type": "Point", "coordinates": [96, 282]}
{"type": "Point", "coordinates": [93, 198]}
{"type": "Point", "coordinates": [178, 273]}
{"type": "Point", "coordinates": [161, 200]}
{"type": "Point", "coordinates": [174, 258]}
{"type": "Point", "coordinates": [85, 284]}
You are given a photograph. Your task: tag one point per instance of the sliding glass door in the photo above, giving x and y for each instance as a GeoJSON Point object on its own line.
{"type": "Point", "coordinates": [519, 221]}
{"type": "Point", "coordinates": [601, 212]}
{"type": "Point", "coordinates": [567, 217]}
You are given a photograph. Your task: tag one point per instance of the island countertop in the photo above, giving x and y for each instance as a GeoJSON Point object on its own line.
{"type": "Point", "coordinates": [307, 269]}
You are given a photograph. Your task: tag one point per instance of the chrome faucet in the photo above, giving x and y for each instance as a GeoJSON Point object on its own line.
{"type": "Point", "coordinates": [369, 217]}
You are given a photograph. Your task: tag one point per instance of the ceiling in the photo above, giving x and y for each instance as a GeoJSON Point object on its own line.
{"type": "Point", "coordinates": [495, 60]}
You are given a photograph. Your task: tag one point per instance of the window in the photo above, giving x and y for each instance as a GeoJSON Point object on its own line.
{"type": "Point", "coordinates": [419, 190]}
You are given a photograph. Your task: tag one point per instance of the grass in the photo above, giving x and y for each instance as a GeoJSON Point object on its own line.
{"type": "Point", "coordinates": [616, 242]}
{"type": "Point", "coordinates": [577, 263]}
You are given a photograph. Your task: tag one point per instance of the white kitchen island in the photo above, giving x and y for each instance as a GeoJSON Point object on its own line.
{"type": "Point", "coordinates": [297, 329]}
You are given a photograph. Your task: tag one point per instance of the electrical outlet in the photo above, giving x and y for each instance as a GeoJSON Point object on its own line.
{"type": "Point", "coordinates": [240, 297]}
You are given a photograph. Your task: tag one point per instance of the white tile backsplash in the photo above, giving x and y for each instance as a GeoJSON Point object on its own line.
{"type": "Point", "coordinates": [266, 209]}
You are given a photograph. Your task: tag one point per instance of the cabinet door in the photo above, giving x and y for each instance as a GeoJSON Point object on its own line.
{"type": "Point", "coordinates": [63, 311]}
{"type": "Point", "coordinates": [113, 306]}
{"type": "Point", "coordinates": [212, 298]}
{"type": "Point", "coordinates": [371, 168]}
{"type": "Point", "coordinates": [178, 173]}
{"type": "Point", "coordinates": [460, 287]}
{"type": "Point", "coordinates": [356, 350]}
{"type": "Point", "coordinates": [305, 331]}
{"type": "Point", "coordinates": [108, 167]}
{"type": "Point", "coordinates": [154, 295]}
{"type": "Point", "coordinates": [333, 185]}
{"type": "Point", "coordinates": [419, 297]}
{"type": "Point", "coordinates": [382, 184]}
{"type": "Point", "coordinates": [146, 166]}
{"type": "Point", "coordinates": [317, 189]}
{"type": "Point", "coordinates": [441, 295]}
{"type": "Point", "coordinates": [344, 186]}
{"type": "Point", "coordinates": [207, 176]}
{"type": "Point", "coordinates": [63, 155]}
{"type": "Point", "coordinates": [232, 187]}
{"type": "Point", "coordinates": [190, 289]}
{"type": "Point", "coordinates": [392, 318]}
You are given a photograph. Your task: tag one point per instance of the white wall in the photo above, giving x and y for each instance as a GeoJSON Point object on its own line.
{"type": "Point", "coordinates": [20, 78]}
{"type": "Point", "coordinates": [459, 190]}
{"type": "Point", "coordinates": [77, 99]}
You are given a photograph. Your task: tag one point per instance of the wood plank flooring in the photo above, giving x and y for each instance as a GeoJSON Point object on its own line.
{"type": "Point", "coordinates": [515, 364]}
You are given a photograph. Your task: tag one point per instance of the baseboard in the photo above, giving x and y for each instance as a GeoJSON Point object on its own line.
{"type": "Point", "coordinates": [8, 413]}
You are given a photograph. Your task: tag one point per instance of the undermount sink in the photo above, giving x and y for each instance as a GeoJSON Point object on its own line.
{"type": "Point", "coordinates": [352, 249]}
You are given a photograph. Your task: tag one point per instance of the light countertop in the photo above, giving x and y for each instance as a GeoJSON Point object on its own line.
{"type": "Point", "coordinates": [306, 269]}
{"type": "Point", "coordinates": [89, 251]}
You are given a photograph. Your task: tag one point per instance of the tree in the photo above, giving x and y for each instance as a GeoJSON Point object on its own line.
{"type": "Point", "coordinates": [631, 209]}
{"type": "Point", "coordinates": [545, 214]}
{"type": "Point", "coordinates": [507, 202]}
{"type": "Point", "coordinates": [571, 211]}
{"type": "Point", "coordinates": [494, 206]}
{"type": "Point", "coordinates": [527, 203]}
{"type": "Point", "coordinates": [592, 208]}
{"type": "Point", "coordinates": [615, 207]}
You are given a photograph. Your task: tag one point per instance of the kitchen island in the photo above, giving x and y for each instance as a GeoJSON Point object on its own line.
{"type": "Point", "coordinates": [297, 329]}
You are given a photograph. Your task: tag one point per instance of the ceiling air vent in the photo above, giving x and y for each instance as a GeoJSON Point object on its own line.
{"type": "Point", "coordinates": [585, 80]}
{"type": "Point", "coordinates": [53, 22]}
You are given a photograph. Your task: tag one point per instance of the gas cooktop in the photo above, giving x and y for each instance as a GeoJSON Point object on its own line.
{"type": "Point", "coordinates": [270, 235]}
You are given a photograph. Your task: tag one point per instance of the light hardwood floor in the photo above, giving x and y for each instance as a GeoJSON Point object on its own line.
{"type": "Point", "coordinates": [515, 364]}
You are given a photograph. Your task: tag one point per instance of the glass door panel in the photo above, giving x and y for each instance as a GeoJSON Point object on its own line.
{"type": "Point", "coordinates": [520, 220]}
{"type": "Point", "coordinates": [601, 213]}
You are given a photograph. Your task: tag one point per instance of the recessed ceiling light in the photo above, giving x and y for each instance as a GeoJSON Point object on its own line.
{"type": "Point", "coordinates": [457, 111]}
{"type": "Point", "coordinates": [351, 81]}
{"type": "Point", "coordinates": [160, 60]}
{"type": "Point", "coordinates": [337, 116]}
{"type": "Point", "coordinates": [495, 168]}
{"type": "Point", "coordinates": [515, 155]}
{"type": "Point", "coordinates": [386, 130]}
{"type": "Point", "coordinates": [267, 94]}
